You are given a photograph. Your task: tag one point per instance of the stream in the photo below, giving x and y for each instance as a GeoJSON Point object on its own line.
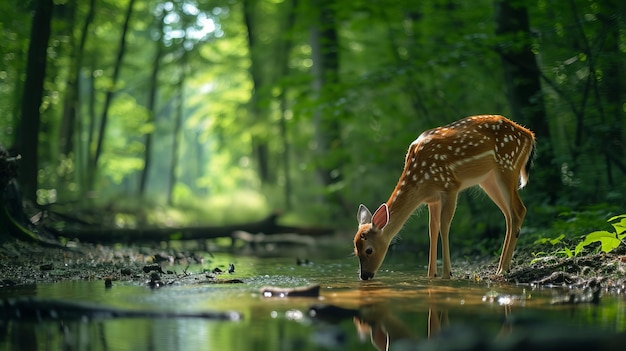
{"type": "Point", "coordinates": [400, 309]}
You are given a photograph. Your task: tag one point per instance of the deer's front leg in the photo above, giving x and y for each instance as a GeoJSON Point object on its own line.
{"type": "Point", "coordinates": [434, 220]}
{"type": "Point", "coordinates": [448, 206]}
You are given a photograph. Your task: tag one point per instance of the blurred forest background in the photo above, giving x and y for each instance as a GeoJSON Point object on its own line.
{"type": "Point", "coordinates": [194, 112]}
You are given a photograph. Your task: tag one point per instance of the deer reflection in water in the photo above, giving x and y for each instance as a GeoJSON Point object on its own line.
{"type": "Point", "coordinates": [417, 318]}
{"type": "Point", "coordinates": [384, 328]}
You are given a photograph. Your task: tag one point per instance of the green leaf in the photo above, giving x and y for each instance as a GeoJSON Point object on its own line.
{"type": "Point", "coordinates": [535, 260]}
{"type": "Point", "coordinates": [620, 223]}
{"type": "Point", "coordinates": [608, 240]}
{"type": "Point", "coordinates": [597, 235]}
{"type": "Point", "coordinates": [581, 245]}
{"type": "Point", "coordinates": [610, 244]}
{"type": "Point", "coordinates": [557, 239]}
{"type": "Point", "coordinates": [567, 252]}
{"type": "Point", "coordinates": [553, 242]}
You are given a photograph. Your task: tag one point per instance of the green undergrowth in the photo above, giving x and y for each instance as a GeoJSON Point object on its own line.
{"type": "Point", "coordinates": [579, 233]}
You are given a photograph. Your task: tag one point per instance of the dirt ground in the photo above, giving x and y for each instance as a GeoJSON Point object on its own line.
{"type": "Point", "coordinates": [604, 271]}
{"type": "Point", "coordinates": [24, 263]}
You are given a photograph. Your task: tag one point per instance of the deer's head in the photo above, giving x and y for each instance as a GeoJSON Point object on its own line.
{"type": "Point", "coordinates": [370, 245]}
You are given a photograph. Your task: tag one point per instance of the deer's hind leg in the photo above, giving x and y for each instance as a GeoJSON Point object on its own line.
{"type": "Point", "coordinates": [501, 187]}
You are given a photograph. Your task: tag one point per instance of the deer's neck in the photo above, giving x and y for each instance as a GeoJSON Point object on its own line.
{"type": "Point", "coordinates": [402, 203]}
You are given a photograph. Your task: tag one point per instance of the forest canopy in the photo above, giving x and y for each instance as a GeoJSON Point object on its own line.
{"type": "Point", "coordinates": [303, 105]}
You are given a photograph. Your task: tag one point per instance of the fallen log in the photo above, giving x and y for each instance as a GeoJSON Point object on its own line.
{"type": "Point", "coordinates": [279, 239]}
{"type": "Point", "coordinates": [267, 225]}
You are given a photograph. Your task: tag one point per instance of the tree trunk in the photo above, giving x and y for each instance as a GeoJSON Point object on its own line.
{"type": "Point", "coordinates": [523, 88]}
{"type": "Point", "coordinates": [71, 125]}
{"type": "Point", "coordinates": [87, 177]}
{"type": "Point", "coordinates": [28, 129]}
{"type": "Point", "coordinates": [260, 145]}
{"type": "Point", "coordinates": [151, 106]}
{"type": "Point", "coordinates": [285, 45]}
{"type": "Point", "coordinates": [178, 122]}
{"type": "Point", "coordinates": [325, 70]}
{"type": "Point", "coordinates": [110, 92]}
{"type": "Point", "coordinates": [68, 118]}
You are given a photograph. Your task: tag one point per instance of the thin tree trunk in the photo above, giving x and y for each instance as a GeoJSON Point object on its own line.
{"type": "Point", "coordinates": [72, 95]}
{"type": "Point", "coordinates": [522, 79]}
{"type": "Point", "coordinates": [82, 151]}
{"type": "Point", "coordinates": [325, 70]}
{"type": "Point", "coordinates": [285, 48]}
{"type": "Point", "coordinates": [111, 91]}
{"type": "Point", "coordinates": [260, 146]}
{"type": "Point", "coordinates": [89, 173]}
{"type": "Point", "coordinates": [151, 107]}
{"type": "Point", "coordinates": [70, 99]}
{"type": "Point", "coordinates": [178, 122]}
{"type": "Point", "coordinates": [71, 128]}
{"type": "Point", "coordinates": [325, 46]}
{"type": "Point", "coordinates": [28, 129]}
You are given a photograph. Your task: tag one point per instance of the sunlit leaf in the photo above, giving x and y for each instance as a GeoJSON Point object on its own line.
{"type": "Point", "coordinates": [608, 240]}
{"type": "Point", "coordinates": [557, 239]}
{"type": "Point", "coordinates": [620, 223]}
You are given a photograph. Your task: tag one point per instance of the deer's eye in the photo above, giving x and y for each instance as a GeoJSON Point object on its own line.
{"type": "Point", "coordinates": [369, 251]}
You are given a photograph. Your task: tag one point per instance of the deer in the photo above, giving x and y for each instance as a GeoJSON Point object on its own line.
{"type": "Point", "coordinates": [490, 151]}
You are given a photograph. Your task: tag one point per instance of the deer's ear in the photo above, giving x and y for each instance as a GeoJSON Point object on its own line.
{"type": "Point", "coordinates": [364, 215]}
{"type": "Point", "coordinates": [381, 217]}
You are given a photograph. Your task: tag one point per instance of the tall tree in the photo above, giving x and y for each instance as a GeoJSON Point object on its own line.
{"type": "Point", "coordinates": [523, 87]}
{"type": "Point", "coordinates": [257, 110]}
{"type": "Point", "coordinates": [285, 44]}
{"type": "Point", "coordinates": [28, 128]}
{"type": "Point", "coordinates": [68, 114]}
{"type": "Point", "coordinates": [71, 125]}
{"type": "Point", "coordinates": [325, 70]}
{"type": "Point", "coordinates": [117, 67]}
{"type": "Point", "coordinates": [72, 93]}
{"type": "Point", "coordinates": [179, 115]}
{"type": "Point", "coordinates": [151, 105]}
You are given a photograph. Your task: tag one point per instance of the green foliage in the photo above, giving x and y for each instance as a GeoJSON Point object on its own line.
{"type": "Point", "coordinates": [609, 240]}
{"type": "Point", "coordinates": [399, 74]}
{"type": "Point", "coordinates": [563, 246]}
{"type": "Point", "coordinates": [559, 248]}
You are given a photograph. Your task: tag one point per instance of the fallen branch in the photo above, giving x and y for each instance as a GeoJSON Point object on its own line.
{"type": "Point", "coordinates": [261, 239]}
{"type": "Point", "coordinates": [267, 225]}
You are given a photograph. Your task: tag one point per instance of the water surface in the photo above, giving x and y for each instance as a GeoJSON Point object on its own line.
{"type": "Point", "coordinates": [399, 307]}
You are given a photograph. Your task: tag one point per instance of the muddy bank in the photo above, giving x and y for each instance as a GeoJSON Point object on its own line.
{"type": "Point", "coordinates": [607, 270]}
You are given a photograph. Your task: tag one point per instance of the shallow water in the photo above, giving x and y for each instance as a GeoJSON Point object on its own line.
{"type": "Point", "coordinates": [400, 309]}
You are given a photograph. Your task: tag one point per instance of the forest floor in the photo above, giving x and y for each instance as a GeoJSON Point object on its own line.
{"type": "Point", "coordinates": [26, 263]}
{"type": "Point", "coordinates": [23, 263]}
{"type": "Point", "coordinates": [606, 272]}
